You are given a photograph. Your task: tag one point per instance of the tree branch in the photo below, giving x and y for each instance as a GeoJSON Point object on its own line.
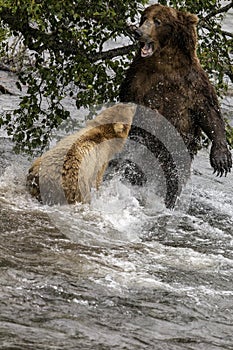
{"type": "Point", "coordinates": [218, 11]}
{"type": "Point", "coordinates": [35, 39]}
{"type": "Point", "coordinates": [227, 33]}
{"type": "Point", "coordinates": [39, 41]}
{"type": "Point", "coordinates": [5, 68]}
{"type": "Point", "coordinates": [4, 90]}
{"type": "Point", "coordinates": [230, 75]}
{"type": "Point", "coordinates": [119, 51]}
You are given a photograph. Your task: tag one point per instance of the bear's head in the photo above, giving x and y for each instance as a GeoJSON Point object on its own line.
{"type": "Point", "coordinates": [163, 27]}
{"type": "Point", "coordinates": [121, 130]}
{"type": "Point", "coordinates": [114, 122]}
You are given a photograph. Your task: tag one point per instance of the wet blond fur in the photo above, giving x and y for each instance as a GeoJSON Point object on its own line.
{"type": "Point", "coordinates": [67, 172]}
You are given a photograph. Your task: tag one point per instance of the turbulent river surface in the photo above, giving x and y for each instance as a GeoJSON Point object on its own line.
{"type": "Point", "coordinates": [119, 273]}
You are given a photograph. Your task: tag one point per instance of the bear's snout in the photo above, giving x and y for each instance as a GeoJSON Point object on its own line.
{"type": "Point", "coordinates": [138, 34]}
{"type": "Point", "coordinates": [144, 32]}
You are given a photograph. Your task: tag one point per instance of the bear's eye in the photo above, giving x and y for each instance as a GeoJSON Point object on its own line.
{"type": "Point", "coordinates": [157, 21]}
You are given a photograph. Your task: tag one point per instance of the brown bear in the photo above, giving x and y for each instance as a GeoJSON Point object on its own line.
{"type": "Point", "coordinates": [67, 172]}
{"type": "Point", "coordinates": [166, 75]}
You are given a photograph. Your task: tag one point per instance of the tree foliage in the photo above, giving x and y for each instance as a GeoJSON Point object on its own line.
{"type": "Point", "coordinates": [68, 46]}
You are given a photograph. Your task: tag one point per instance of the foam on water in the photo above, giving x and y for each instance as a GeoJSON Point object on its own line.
{"type": "Point", "coordinates": [116, 218]}
{"type": "Point", "coordinates": [120, 210]}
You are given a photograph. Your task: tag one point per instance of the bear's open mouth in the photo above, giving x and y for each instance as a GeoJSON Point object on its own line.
{"type": "Point", "coordinates": [147, 49]}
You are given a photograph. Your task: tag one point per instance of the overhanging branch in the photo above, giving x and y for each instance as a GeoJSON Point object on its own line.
{"type": "Point", "coordinates": [119, 51]}
{"type": "Point", "coordinates": [40, 41]}
{"type": "Point", "coordinates": [222, 9]}
{"type": "Point", "coordinates": [227, 34]}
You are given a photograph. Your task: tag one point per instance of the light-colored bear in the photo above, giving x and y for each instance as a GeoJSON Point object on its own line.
{"type": "Point", "coordinates": [68, 172]}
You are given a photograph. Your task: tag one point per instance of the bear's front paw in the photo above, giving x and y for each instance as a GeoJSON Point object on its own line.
{"type": "Point", "coordinates": [220, 159]}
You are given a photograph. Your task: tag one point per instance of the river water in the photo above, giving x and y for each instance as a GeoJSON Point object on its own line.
{"type": "Point", "coordinates": [116, 274]}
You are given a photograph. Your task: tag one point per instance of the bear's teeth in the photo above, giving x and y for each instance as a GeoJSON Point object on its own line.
{"type": "Point", "coordinates": [146, 50]}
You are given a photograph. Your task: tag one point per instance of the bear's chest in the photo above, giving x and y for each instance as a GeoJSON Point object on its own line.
{"type": "Point", "coordinates": [172, 97]}
{"type": "Point", "coordinates": [169, 96]}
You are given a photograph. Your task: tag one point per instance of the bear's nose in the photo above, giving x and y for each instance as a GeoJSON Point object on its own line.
{"type": "Point", "coordinates": [138, 33]}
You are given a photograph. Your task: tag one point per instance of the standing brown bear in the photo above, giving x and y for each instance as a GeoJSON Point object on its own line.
{"type": "Point", "coordinates": [166, 75]}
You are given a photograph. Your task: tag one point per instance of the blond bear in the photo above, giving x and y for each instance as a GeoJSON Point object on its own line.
{"type": "Point", "coordinates": [68, 172]}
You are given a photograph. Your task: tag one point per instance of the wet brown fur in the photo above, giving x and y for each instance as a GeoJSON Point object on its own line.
{"type": "Point", "coordinates": [173, 82]}
{"type": "Point", "coordinates": [67, 172]}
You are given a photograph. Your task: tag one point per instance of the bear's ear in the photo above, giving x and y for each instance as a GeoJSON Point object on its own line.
{"type": "Point", "coordinates": [184, 34]}
{"type": "Point", "coordinates": [190, 18]}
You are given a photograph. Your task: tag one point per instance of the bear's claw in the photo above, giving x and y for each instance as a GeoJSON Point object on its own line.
{"type": "Point", "coordinates": [220, 159]}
